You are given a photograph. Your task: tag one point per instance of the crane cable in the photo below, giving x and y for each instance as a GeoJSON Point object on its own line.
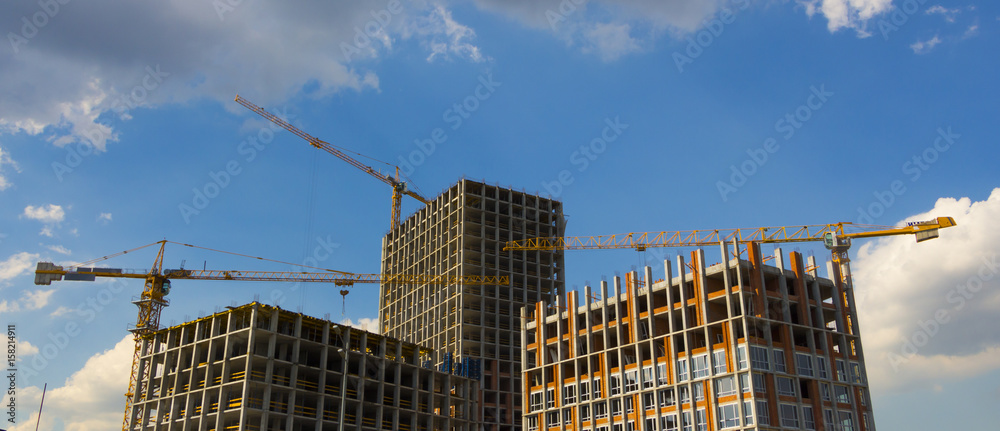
{"type": "Point", "coordinates": [262, 258]}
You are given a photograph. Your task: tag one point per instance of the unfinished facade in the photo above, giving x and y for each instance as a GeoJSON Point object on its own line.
{"type": "Point", "coordinates": [462, 232]}
{"type": "Point", "coordinates": [257, 367]}
{"type": "Point", "coordinates": [736, 345]}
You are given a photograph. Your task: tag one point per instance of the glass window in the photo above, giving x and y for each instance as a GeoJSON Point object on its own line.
{"type": "Point", "coordinates": [629, 404]}
{"type": "Point", "coordinates": [807, 418]}
{"type": "Point", "coordinates": [616, 385]}
{"type": "Point", "coordinates": [843, 394]}
{"type": "Point", "coordinates": [661, 371]}
{"type": "Point", "coordinates": [682, 370]}
{"type": "Point", "coordinates": [763, 414]}
{"type": "Point", "coordinates": [631, 381]}
{"type": "Point", "coordinates": [759, 385]}
{"type": "Point", "coordinates": [841, 371]}
{"type": "Point", "coordinates": [748, 413]}
{"type": "Point", "coordinates": [725, 386]}
{"type": "Point", "coordinates": [699, 418]}
{"type": "Point", "coordinates": [600, 410]}
{"type": "Point", "coordinates": [597, 388]}
{"type": "Point", "coordinates": [550, 398]}
{"type": "Point", "coordinates": [744, 382]}
{"type": "Point", "coordinates": [729, 416]}
{"type": "Point", "coordinates": [789, 415]}
{"type": "Point", "coordinates": [584, 413]}
{"type": "Point", "coordinates": [685, 395]}
{"type": "Point", "coordinates": [647, 377]}
{"type": "Point", "coordinates": [584, 391]}
{"type": "Point", "coordinates": [827, 419]}
{"type": "Point", "coordinates": [824, 389]}
{"type": "Point", "coordinates": [804, 364]}
{"type": "Point", "coordinates": [536, 402]}
{"type": "Point", "coordinates": [759, 358]}
{"type": "Point", "coordinates": [699, 368]}
{"type": "Point", "coordinates": [779, 361]}
{"type": "Point", "coordinates": [650, 424]}
{"type": "Point", "coordinates": [668, 422]}
{"type": "Point", "coordinates": [569, 394]}
{"type": "Point", "coordinates": [567, 416]}
{"type": "Point", "coordinates": [846, 421]}
{"type": "Point", "coordinates": [667, 397]}
{"type": "Point", "coordinates": [616, 407]}
{"type": "Point", "coordinates": [719, 361]}
{"type": "Point", "coordinates": [532, 423]}
{"type": "Point", "coordinates": [686, 423]}
{"type": "Point", "coordinates": [821, 367]}
{"type": "Point", "coordinates": [786, 386]}
{"type": "Point", "coordinates": [699, 391]}
{"type": "Point", "coordinates": [856, 372]}
{"type": "Point", "coordinates": [741, 357]}
{"type": "Point", "coordinates": [552, 419]}
{"type": "Point", "coordinates": [648, 401]}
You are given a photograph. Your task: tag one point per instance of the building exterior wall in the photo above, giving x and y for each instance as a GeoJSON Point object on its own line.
{"type": "Point", "coordinates": [257, 367]}
{"type": "Point", "coordinates": [736, 345]}
{"type": "Point", "coordinates": [462, 232]}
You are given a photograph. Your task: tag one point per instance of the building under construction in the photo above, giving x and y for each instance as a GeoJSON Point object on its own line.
{"type": "Point", "coordinates": [462, 232]}
{"type": "Point", "coordinates": [735, 345]}
{"type": "Point", "coordinates": [258, 367]}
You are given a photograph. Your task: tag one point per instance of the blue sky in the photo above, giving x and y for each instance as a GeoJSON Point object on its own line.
{"type": "Point", "coordinates": [639, 115]}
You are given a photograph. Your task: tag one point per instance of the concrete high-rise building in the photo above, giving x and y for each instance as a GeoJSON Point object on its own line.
{"type": "Point", "coordinates": [257, 367]}
{"type": "Point", "coordinates": [462, 232]}
{"type": "Point", "coordinates": [735, 345]}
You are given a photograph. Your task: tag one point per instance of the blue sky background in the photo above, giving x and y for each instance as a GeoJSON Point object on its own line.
{"type": "Point", "coordinates": [698, 88]}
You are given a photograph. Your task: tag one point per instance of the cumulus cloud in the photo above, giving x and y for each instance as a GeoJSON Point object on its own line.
{"type": "Point", "coordinates": [73, 78]}
{"type": "Point", "coordinates": [16, 265]}
{"type": "Point", "coordinates": [611, 29]}
{"type": "Point", "coordinates": [59, 249]}
{"type": "Point", "coordinates": [924, 307]}
{"type": "Point", "coordinates": [30, 300]}
{"type": "Point", "coordinates": [849, 14]}
{"type": "Point", "coordinates": [364, 323]}
{"type": "Point", "coordinates": [25, 348]}
{"type": "Point", "coordinates": [89, 400]}
{"type": "Point", "coordinates": [923, 47]}
{"type": "Point", "coordinates": [948, 14]}
{"type": "Point", "coordinates": [104, 218]}
{"type": "Point", "coordinates": [50, 214]}
{"type": "Point", "coordinates": [6, 160]}
{"type": "Point", "coordinates": [443, 36]}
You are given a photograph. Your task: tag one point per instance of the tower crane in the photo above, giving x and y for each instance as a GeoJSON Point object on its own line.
{"type": "Point", "coordinates": [153, 298]}
{"type": "Point", "coordinates": [399, 188]}
{"type": "Point", "coordinates": [833, 236]}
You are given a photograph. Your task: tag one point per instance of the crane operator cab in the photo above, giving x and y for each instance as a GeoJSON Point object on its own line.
{"type": "Point", "coordinates": [834, 242]}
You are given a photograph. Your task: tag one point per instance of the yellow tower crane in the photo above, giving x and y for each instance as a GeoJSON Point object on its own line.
{"type": "Point", "coordinates": [834, 237]}
{"type": "Point", "coordinates": [399, 188]}
{"type": "Point", "coordinates": [153, 298]}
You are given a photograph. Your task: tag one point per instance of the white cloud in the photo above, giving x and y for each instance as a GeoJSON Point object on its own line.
{"type": "Point", "coordinates": [610, 41]}
{"type": "Point", "coordinates": [30, 300]}
{"type": "Point", "coordinates": [63, 83]}
{"type": "Point", "coordinates": [364, 323]}
{"type": "Point", "coordinates": [25, 348]}
{"type": "Point", "coordinates": [16, 265]}
{"type": "Point", "coordinates": [6, 160]}
{"type": "Point", "coordinates": [89, 400]}
{"type": "Point", "coordinates": [923, 47]}
{"type": "Point", "coordinates": [59, 249]}
{"type": "Point", "coordinates": [61, 311]}
{"type": "Point", "coordinates": [924, 307]}
{"type": "Point", "coordinates": [49, 214]}
{"type": "Point", "coordinates": [850, 14]}
{"type": "Point", "coordinates": [443, 36]}
{"type": "Point", "coordinates": [948, 14]}
{"type": "Point", "coordinates": [104, 218]}
{"type": "Point", "coordinates": [611, 29]}
{"type": "Point", "coordinates": [971, 31]}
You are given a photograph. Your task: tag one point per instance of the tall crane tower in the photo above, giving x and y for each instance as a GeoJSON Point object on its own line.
{"type": "Point", "coordinates": [153, 298]}
{"type": "Point", "coordinates": [399, 188]}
